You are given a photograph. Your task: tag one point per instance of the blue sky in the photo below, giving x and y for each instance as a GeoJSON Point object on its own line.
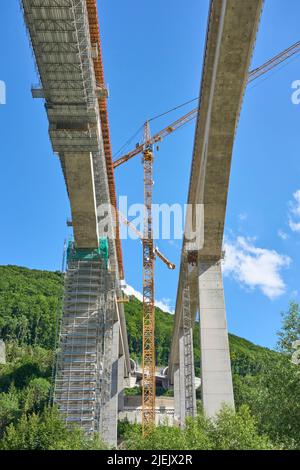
{"type": "Point", "coordinates": [153, 59]}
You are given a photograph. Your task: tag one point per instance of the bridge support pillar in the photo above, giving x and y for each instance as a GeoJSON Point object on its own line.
{"type": "Point", "coordinates": [81, 188]}
{"type": "Point", "coordinates": [121, 383]}
{"type": "Point", "coordinates": [177, 401]}
{"type": "Point", "coordinates": [110, 393]}
{"type": "Point", "coordinates": [216, 378]}
{"type": "Point", "coordinates": [184, 379]}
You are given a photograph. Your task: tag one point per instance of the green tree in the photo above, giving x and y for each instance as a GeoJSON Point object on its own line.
{"type": "Point", "coordinates": [46, 432]}
{"type": "Point", "coordinates": [9, 408]}
{"type": "Point", "coordinates": [161, 438]}
{"type": "Point", "coordinates": [236, 431]}
{"type": "Point", "coordinates": [36, 395]}
{"type": "Point", "coordinates": [30, 301]}
{"type": "Point", "coordinates": [25, 363]}
{"type": "Point", "coordinates": [290, 329]}
{"type": "Point", "coordinates": [273, 397]}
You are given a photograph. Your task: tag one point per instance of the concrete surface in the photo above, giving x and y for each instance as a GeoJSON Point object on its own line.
{"type": "Point", "coordinates": [80, 180]}
{"type": "Point", "coordinates": [216, 383]}
{"type": "Point", "coordinates": [2, 352]}
{"type": "Point", "coordinates": [133, 410]}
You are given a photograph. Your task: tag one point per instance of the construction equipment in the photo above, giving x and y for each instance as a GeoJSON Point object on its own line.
{"type": "Point", "coordinates": [158, 137]}
{"type": "Point", "coordinates": [163, 258]}
{"type": "Point", "coordinates": [188, 117]}
{"type": "Point", "coordinates": [149, 390]}
{"type": "Point", "coordinates": [272, 63]}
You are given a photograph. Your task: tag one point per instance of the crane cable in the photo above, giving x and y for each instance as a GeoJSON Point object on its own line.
{"type": "Point", "coordinates": [153, 119]}
{"type": "Point", "coordinates": [287, 61]}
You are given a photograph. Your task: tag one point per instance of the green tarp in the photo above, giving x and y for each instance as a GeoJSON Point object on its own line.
{"type": "Point", "coordinates": [86, 254]}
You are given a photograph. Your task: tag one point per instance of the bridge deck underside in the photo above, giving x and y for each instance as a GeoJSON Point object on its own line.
{"type": "Point", "coordinates": [60, 38]}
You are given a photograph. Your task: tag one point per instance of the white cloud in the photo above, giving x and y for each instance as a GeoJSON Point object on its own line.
{"type": "Point", "coordinates": [255, 267]}
{"type": "Point", "coordinates": [294, 226]}
{"type": "Point", "coordinates": [294, 212]}
{"type": "Point", "coordinates": [129, 290]}
{"type": "Point", "coordinates": [296, 204]}
{"type": "Point", "coordinates": [163, 304]}
{"type": "Point", "coordinates": [282, 235]}
{"type": "Point", "coordinates": [243, 216]}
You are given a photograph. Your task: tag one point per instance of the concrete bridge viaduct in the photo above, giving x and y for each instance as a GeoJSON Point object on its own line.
{"type": "Point", "coordinates": [93, 356]}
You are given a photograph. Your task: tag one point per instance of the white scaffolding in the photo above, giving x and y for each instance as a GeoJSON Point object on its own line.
{"type": "Point", "coordinates": [189, 372]}
{"type": "Point", "coordinates": [83, 367]}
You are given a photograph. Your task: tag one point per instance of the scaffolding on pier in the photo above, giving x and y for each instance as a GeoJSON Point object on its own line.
{"type": "Point", "coordinates": [189, 372]}
{"type": "Point", "coordinates": [83, 368]}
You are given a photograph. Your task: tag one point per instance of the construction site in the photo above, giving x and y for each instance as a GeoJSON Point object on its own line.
{"type": "Point", "coordinates": [93, 364]}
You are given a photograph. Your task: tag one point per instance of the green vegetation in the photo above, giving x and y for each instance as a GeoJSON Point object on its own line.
{"type": "Point", "coordinates": [273, 398]}
{"type": "Point", "coordinates": [29, 302]}
{"type": "Point", "coordinates": [26, 421]}
{"type": "Point", "coordinates": [46, 431]}
{"type": "Point", "coordinates": [272, 392]}
{"type": "Point", "coordinates": [29, 308]}
{"type": "Point", "coordinates": [266, 383]}
{"type": "Point", "coordinates": [228, 432]}
{"type": "Point", "coordinates": [290, 331]}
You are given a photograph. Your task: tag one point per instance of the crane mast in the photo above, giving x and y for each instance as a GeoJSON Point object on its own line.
{"type": "Point", "coordinates": [156, 250]}
{"type": "Point", "coordinates": [149, 391]}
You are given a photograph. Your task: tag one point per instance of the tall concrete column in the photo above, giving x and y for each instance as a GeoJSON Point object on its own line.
{"type": "Point", "coordinates": [2, 352]}
{"type": "Point", "coordinates": [184, 380]}
{"type": "Point", "coordinates": [188, 381]}
{"type": "Point", "coordinates": [121, 383]}
{"type": "Point", "coordinates": [109, 421]}
{"type": "Point", "coordinates": [177, 411]}
{"type": "Point", "coordinates": [190, 389]}
{"type": "Point", "coordinates": [81, 188]}
{"type": "Point", "coordinates": [216, 384]}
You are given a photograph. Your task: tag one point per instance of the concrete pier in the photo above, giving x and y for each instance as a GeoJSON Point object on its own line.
{"type": "Point", "coordinates": [87, 373]}
{"type": "Point", "coordinates": [2, 352]}
{"type": "Point", "coordinates": [109, 421]}
{"type": "Point", "coordinates": [121, 382]}
{"type": "Point", "coordinates": [182, 406]}
{"type": "Point", "coordinates": [80, 183]}
{"type": "Point", "coordinates": [216, 376]}
{"type": "Point", "coordinates": [177, 400]}
{"type": "Point", "coordinates": [184, 380]}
